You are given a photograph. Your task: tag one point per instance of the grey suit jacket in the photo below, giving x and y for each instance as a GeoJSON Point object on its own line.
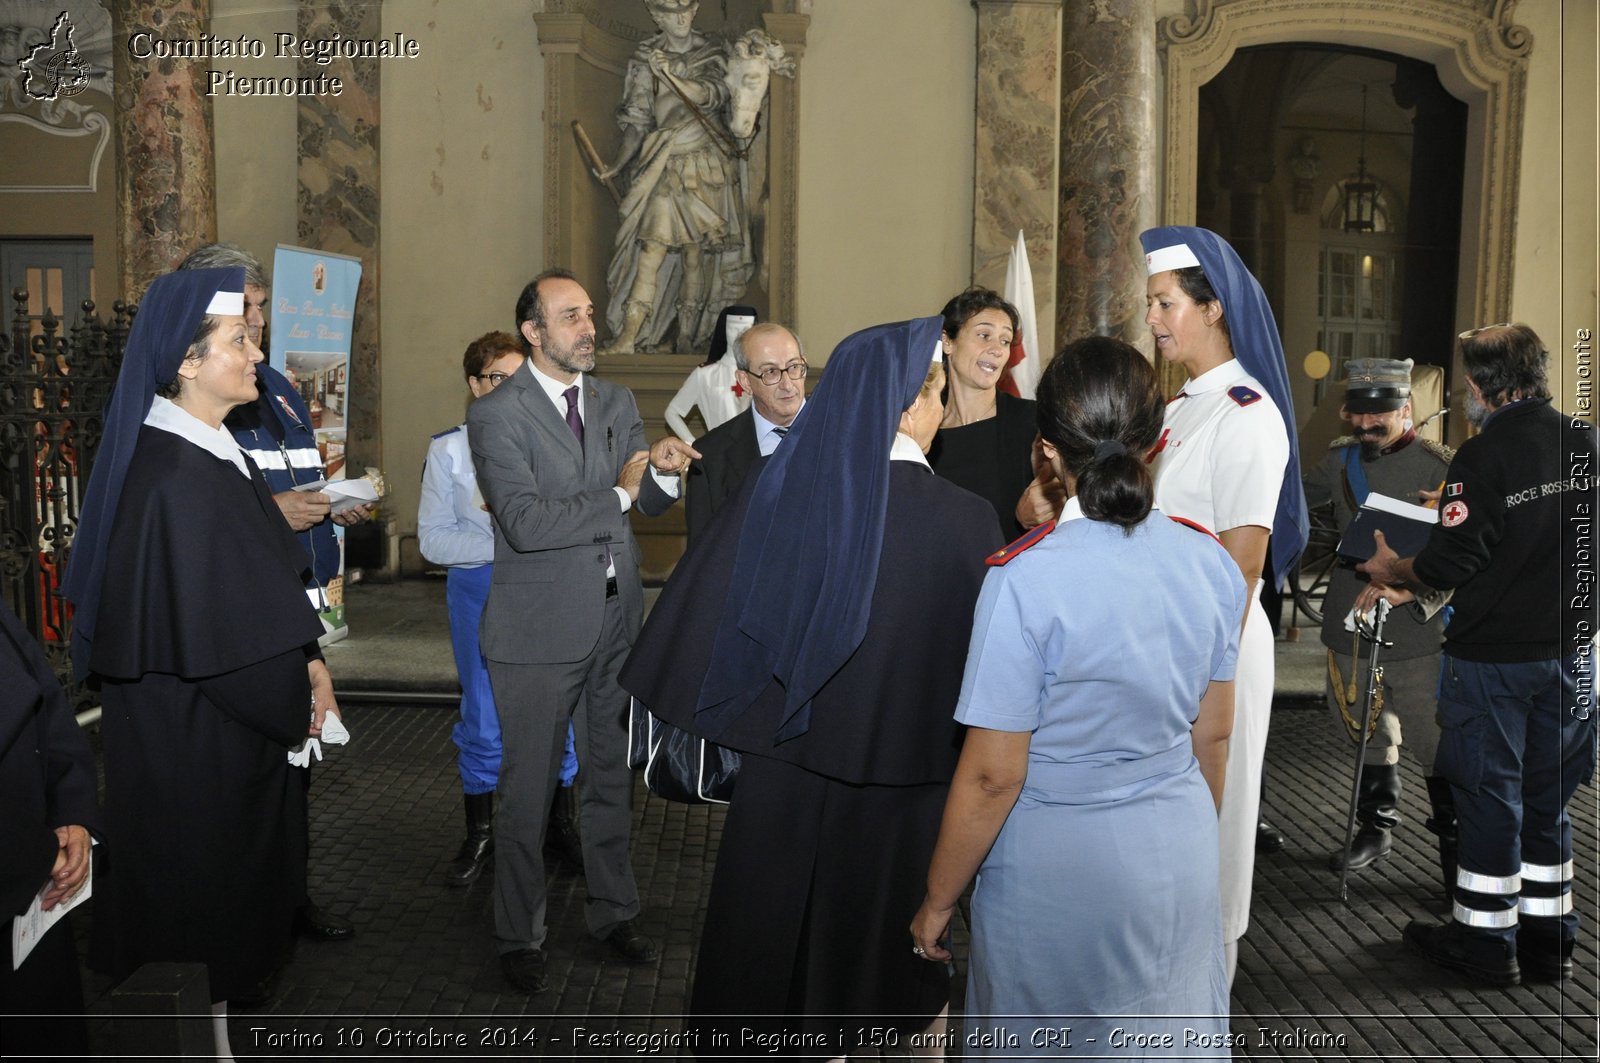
{"type": "Point", "coordinates": [556, 516]}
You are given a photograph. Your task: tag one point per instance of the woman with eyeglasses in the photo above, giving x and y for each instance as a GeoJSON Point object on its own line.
{"type": "Point", "coordinates": [453, 530]}
{"type": "Point", "coordinates": [985, 442]}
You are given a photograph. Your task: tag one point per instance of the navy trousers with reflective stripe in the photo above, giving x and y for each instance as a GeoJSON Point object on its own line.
{"type": "Point", "coordinates": [1514, 754]}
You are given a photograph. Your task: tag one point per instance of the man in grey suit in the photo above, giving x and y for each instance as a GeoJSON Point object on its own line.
{"type": "Point", "coordinates": [773, 369]}
{"type": "Point", "coordinates": [560, 459]}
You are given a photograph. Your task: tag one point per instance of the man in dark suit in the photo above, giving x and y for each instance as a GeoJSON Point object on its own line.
{"type": "Point", "coordinates": [773, 369]}
{"type": "Point", "coordinates": [560, 458]}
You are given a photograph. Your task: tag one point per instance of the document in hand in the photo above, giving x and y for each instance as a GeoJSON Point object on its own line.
{"type": "Point", "coordinates": [344, 494]}
{"type": "Point", "coordinates": [1405, 525]}
{"type": "Point", "coordinates": [31, 925]}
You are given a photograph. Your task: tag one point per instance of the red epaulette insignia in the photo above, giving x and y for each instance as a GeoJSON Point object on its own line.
{"type": "Point", "coordinates": [1244, 395]}
{"type": "Point", "coordinates": [1196, 525]}
{"type": "Point", "coordinates": [1011, 550]}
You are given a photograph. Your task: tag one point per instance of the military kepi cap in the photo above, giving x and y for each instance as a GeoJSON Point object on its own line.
{"type": "Point", "coordinates": [1377, 385]}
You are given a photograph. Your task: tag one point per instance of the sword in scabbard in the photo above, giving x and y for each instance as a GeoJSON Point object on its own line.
{"type": "Point", "coordinates": [592, 157]}
{"type": "Point", "coordinates": [1368, 700]}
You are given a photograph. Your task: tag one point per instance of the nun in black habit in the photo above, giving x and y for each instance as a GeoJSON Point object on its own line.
{"type": "Point", "coordinates": [820, 627]}
{"type": "Point", "coordinates": [192, 619]}
{"type": "Point", "coordinates": [48, 809]}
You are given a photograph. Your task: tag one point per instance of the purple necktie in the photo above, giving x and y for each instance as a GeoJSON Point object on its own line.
{"type": "Point", "coordinates": [574, 422]}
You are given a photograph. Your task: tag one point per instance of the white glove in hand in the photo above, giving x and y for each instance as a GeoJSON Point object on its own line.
{"type": "Point", "coordinates": [334, 732]}
{"type": "Point", "coordinates": [300, 756]}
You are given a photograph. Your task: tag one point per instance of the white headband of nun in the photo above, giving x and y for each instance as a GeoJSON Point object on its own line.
{"type": "Point", "coordinates": [227, 304]}
{"type": "Point", "coordinates": [1178, 256]}
{"type": "Point", "coordinates": [938, 352]}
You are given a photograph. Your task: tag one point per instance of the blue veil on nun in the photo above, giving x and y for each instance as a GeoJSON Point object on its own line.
{"type": "Point", "coordinates": [1259, 349]}
{"type": "Point", "coordinates": [807, 563]}
{"type": "Point", "coordinates": [169, 316]}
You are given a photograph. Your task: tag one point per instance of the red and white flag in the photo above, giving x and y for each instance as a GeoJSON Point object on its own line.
{"type": "Point", "coordinates": [1024, 365]}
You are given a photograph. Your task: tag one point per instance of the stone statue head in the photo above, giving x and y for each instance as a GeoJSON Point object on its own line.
{"type": "Point", "coordinates": [752, 60]}
{"type": "Point", "coordinates": [663, 12]}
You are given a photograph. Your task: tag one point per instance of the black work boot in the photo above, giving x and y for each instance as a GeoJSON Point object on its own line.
{"type": "Point", "coordinates": [561, 836]}
{"type": "Point", "coordinates": [1482, 956]}
{"type": "Point", "coordinates": [1443, 824]}
{"type": "Point", "coordinates": [478, 849]}
{"type": "Point", "coordinates": [1269, 839]}
{"type": "Point", "coordinates": [1543, 957]}
{"type": "Point", "coordinates": [1376, 811]}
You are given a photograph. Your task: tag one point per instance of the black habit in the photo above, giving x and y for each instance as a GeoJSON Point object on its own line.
{"type": "Point", "coordinates": [47, 781]}
{"type": "Point", "coordinates": [201, 653]}
{"type": "Point", "coordinates": [825, 850]}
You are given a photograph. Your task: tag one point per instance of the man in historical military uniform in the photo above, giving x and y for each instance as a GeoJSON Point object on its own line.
{"type": "Point", "coordinates": [1383, 454]}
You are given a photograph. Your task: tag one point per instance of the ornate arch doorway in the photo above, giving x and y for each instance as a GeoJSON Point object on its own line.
{"type": "Point", "coordinates": [1336, 173]}
{"type": "Point", "coordinates": [1480, 59]}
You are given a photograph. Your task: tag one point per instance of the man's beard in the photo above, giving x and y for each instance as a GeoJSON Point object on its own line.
{"type": "Point", "coordinates": [1477, 412]}
{"type": "Point", "coordinates": [1372, 443]}
{"type": "Point", "coordinates": [579, 358]}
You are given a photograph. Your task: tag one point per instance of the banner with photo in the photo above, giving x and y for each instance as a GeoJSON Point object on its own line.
{"type": "Point", "coordinates": [313, 307]}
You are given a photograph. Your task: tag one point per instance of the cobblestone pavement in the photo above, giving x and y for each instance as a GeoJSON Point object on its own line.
{"type": "Point", "coordinates": [1318, 979]}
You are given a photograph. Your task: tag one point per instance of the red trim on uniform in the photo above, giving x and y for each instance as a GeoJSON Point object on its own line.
{"type": "Point", "coordinates": [1196, 525]}
{"type": "Point", "coordinates": [1161, 444]}
{"type": "Point", "coordinates": [1029, 538]}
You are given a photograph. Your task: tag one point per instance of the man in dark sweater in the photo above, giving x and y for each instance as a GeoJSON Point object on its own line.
{"type": "Point", "coordinates": [1515, 542]}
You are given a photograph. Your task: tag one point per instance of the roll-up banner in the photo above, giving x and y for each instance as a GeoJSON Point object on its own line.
{"type": "Point", "coordinates": [313, 308]}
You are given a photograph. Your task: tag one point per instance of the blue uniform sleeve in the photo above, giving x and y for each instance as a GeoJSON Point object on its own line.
{"type": "Point", "coordinates": [442, 536]}
{"type": "Point", "coordinates": [1234, 598]}
{"type": "Point", "coordinates": [1004, 679]}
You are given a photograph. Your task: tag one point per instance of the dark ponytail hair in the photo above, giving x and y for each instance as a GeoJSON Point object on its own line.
{"type": "Point", "coordinates": [1100, 405]}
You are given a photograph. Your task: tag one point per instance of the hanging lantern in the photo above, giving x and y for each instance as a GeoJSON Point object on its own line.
{"type": "Point", "coordinates": [1361, 194]}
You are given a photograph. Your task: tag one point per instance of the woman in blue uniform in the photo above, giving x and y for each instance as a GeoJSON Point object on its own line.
{"type": "Point", "coordinates": [453, 530]}
{"type": "Point", "coordinates": [1094, 760]}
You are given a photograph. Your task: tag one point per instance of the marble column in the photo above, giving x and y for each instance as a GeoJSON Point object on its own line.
{"type": "Point", "coordinates": [166, 183]}
{"type": "Point", "coordinates": [338, 195]}
{"type": "Point", "coordinates": [1108, 167]}
{"type": "Point", "coordinates": [1014, 172]}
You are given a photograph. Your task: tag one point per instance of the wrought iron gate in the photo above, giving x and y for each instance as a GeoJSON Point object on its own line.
{"type": "Point", "coordinates": [54, 383]}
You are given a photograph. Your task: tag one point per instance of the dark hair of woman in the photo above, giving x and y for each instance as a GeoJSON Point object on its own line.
{"type": "Point", "coordinates": [1193, 281]}
{"type": "Point", "coordinates": [486, 350]}
{"type": "Point", "coordinates": [958, 311]}
{"type": "Point", "coordinates": [1100, 405]}
{"type": "Point", "coordinates": [199, 347]}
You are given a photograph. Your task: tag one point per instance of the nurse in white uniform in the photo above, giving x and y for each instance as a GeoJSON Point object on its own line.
{"type": "Point", "coordinates": [1227, 459]}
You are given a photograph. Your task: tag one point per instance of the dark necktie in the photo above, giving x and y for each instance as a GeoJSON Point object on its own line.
{"type": "Point", "coordinates": [780, 432]}
{"type": "Point", "coordinates": [574, 422]}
